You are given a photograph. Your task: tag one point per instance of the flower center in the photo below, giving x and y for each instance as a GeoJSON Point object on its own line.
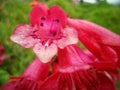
{"type": "Point", "coordinates": [47, 32]}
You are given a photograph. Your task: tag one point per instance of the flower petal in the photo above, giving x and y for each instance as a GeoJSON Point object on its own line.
{"type": "Point", "coordinates": [22, 36]}
{"type": "Point", "coordinates": [31, 79]}
{"type": "Point", "coordinates": [57, 14]}
{"type": "Point", "coordinates": [105, 82]}
{"type": "Point", "coordinates": [45, 53]}
{"type": "Point", "coordinates": [77, 80]}
{"type": "Point", "coordinates": [100, 41]}
{"type": "Point", "coordinates": [72, 55]}
{"type": "Point", "coordinates": [39, 68]}
{"type": "Point", "coordinates": [70, 36]}
{"type": "Point", "coordinates": [39, 11]}
{"type": "Point", "coordinates": [2, 54]}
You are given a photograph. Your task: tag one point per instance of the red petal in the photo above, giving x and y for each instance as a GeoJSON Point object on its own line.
{"type": "Point", "coordinates": [105, 82]}
{"type": "Point", "coordinates": [31, 79]}
{"type": "Point", "coordinates": [9, 86]}
{"type": "Point", "coordinates": [2, 53]}
{"type": "Point", "coordinates": [58, 14]}
{"type": "Point", "coordinates": [77, 80]}
{"type": "Point", "coordinates": [72, 55]}
{"type": "Point", "coordinates": [37, 13]}
{"type": "Point", "coordinates": [100, 41]}
{"type": "Point", "coordinates": [37, 70]}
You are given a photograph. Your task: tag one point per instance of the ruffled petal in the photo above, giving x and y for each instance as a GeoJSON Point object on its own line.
{"type": "Point", "coordinates": [22, 36]}
{"type": "Point", "coordinates": [45, 53]}
{"type": "Point", "coordinates": [70, 36]}
{"type": "Point", "coordinates": [100, 41]}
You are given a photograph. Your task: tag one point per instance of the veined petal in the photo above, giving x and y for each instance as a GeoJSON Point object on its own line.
{"type": "Point", "coordinates": [70, 36]}
{"type": "Point", "coordinates": [72, 55]}
{"type": "Point", "coordinates": [100, 41]}
{"type": "Point", "coordinates": [82, 79]}
{"type": "Point", "coordinates": [45, 53]}
{"type": "Point", "coordinates": [105, 82]}
{"type": "Point", "coordinates": [31, 79]}
{"type": "Point", "coordinates": [37, 70]}
{"type": "Point", "coordinates": [22, 36]}
{"type": "Point", "coordinates": [95, 31]}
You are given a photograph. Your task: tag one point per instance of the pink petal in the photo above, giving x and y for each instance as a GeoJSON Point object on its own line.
{"type": "Point", "coordinates": [37, 13]}
{"type": "Point", "coordinates": [100, 41]}
{"type": "Point", "coordinates": [72, 55]}
{"type": "Point", "coordinates": [56, 13]}
{"type": "Point", "coordinates": [8, 86]}
{"type": "Point", "coordinates": [31, 79]}
{"type": "Point", "coordinates": [69, 37]}
{"type": "Point", "coordinates": [51, 83]}
{"type": "Point", "coordinates": [2, 54]}
{"type": "Point", "coordinates": [77, 80]}
{"type": "Point", "coordinates": [103, 35]}
{"type": "Point", "coordinates": [45, 53]}
{"type": "Point", "coordinates": [22, 36]}
{"type": "Point", "coordinates": [37, 70]}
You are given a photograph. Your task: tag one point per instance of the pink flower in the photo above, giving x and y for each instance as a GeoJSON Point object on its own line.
{"type": "Point", "coordinates": [76, 73]}
{"type": "Point", "coordinates": [51, 33]}
{"type": "Point", "coordinates": [31, 79]}
{"type": "Point", "coordinates": [2, 54]}
{"type": "Point", "coordinates": [47, 32]}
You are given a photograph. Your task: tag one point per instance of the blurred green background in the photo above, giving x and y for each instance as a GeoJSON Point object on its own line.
{"type": "Point", "coordinates": [14, 12]}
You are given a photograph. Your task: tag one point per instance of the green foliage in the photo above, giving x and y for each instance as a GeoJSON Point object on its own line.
{"type": "Point", "coordinates": [15, 12]}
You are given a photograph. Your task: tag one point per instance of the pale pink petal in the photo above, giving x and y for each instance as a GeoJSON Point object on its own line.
{"type": "Point", "coordinates": [70, 36]}
{"type": "Point", "coordinates": [22, 36]}
{"type": "Point", "coordinates": [45, 53]}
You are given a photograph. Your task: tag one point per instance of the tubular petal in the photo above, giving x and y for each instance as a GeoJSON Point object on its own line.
{"type": "Point", "coordinates": [100, 41]}
{"type": "Point", "coordinates": [31, 79]}
{"type": "Point", "coordinates": [37, 70]}
{"type": "Point", "coordinates": [72, 55]}
{"type": "Point", "coordinates": [77, 80]}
